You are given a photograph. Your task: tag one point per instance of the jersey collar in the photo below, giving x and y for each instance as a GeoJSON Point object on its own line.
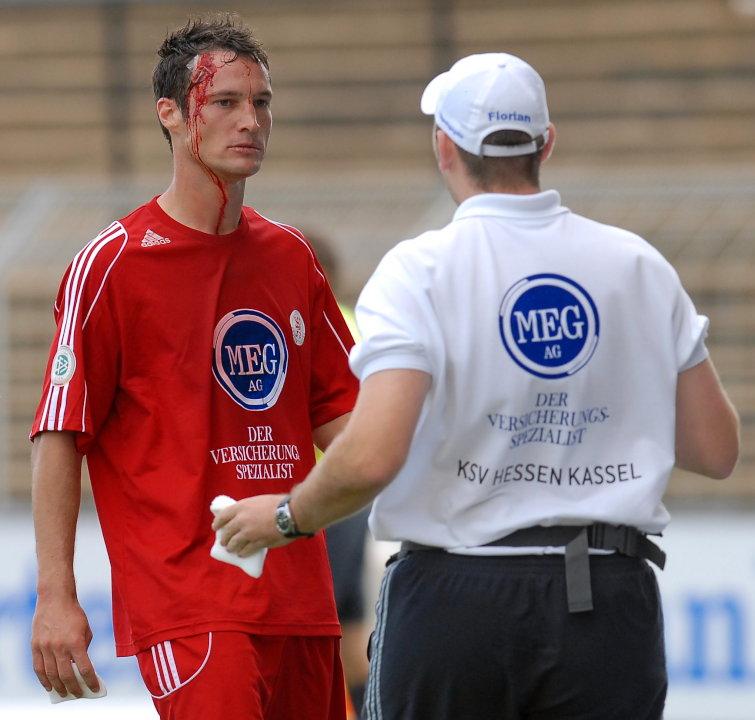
{"type": "Point", "coordinates": [190, 233]}
{"type": "Point", "coordinates": [519, 206]}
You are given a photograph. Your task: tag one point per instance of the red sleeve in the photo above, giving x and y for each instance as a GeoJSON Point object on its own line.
{"type": "Point", "coordinates": [82, 368]}
{"type": "Point", "coordinates": [334, 388]}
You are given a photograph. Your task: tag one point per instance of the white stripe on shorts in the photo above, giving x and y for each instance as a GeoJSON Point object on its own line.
{"type": "Point", "coordinates": [372, 693]}
{"type": "Point", "coordinates": [157, 671]}
{"type": "Point", "coordinates": [172, 663]}
{"type": "Point", "coordinates": [164, 667]}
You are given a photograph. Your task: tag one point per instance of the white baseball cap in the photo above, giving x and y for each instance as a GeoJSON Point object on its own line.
{"type": "Point", "coordinates": [482, 94]}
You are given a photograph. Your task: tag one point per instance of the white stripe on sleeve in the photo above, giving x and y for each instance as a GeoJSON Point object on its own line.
{"type": "Point", "coordinates": [338, 337]}
{"type": "Point", "coordinates": [55, 405]}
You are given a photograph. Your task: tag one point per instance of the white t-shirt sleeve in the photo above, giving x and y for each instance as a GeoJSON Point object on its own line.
{"type": "Point", "coordinates": [690, 331]}
{"type": "Point", "coordinates": [395, 320]}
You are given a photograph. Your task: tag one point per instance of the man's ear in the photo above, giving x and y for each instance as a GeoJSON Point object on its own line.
{"type": "Point", "coordinates": [169, 115]}
{"type": "Point", "coordinates": [447, 152]}
{"type": "Point", "coordinates": [550, 143]}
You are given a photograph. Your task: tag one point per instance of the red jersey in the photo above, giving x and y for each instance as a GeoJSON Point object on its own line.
{"type": "Point", "coordinates": [192, 365]}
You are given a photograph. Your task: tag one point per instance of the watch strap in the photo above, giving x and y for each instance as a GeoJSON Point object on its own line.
{"type": "Point", "coordinates": [292, 531]}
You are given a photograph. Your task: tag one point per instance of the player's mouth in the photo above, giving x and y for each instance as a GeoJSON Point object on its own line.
{"type": "Point", "coordinates": [247, 148]}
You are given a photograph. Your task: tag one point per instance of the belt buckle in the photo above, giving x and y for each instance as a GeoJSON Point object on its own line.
{"type": "Point", "coordinates": [623, 538]}
{"type": "Point", "coordinates": [596, 536]}
{"type": "Point", "coordinates": [629, 536]}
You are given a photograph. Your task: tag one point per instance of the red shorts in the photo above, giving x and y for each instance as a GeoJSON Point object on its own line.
{"type": "Point", "coordinates": [232, 675]}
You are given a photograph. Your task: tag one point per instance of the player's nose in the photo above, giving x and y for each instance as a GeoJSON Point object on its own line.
{"type": "Point", "coordinates": [248, 119]}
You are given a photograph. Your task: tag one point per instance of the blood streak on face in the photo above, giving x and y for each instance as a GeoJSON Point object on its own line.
{"type": "Point", "coordinates": [199, 85]}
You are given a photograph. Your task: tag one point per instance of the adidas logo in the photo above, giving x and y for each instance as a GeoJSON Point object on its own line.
{"type": "Point", "coordinates": [152, 238]}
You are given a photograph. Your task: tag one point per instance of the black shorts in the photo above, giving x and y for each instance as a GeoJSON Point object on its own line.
{"type": "Point", "coordinates": [346, 542]}
{"type": "Point", "coordinates": [491, 637]}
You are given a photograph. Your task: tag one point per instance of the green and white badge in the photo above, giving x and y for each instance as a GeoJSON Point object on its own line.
{"type": "Point", "coordinates": [63, 366]}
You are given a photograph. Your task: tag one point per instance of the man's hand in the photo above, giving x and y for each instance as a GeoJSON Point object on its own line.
{"type": "Point", "coordinates": [60, 634]}
{"type": "Point", "coordinates": [249, 525]}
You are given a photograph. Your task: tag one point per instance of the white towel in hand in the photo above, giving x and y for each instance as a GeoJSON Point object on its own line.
{"type": "Point", "coordinates": [56, 697]}
{"type": "Point", "coordinates": [251, 565]}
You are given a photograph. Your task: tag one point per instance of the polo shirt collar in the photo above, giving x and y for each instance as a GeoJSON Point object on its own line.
{"type": "Point", "coordinates": [502, 205]}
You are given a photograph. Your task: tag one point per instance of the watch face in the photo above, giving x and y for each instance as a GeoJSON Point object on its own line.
{"type": "Point", "coordinates": [283, 519]}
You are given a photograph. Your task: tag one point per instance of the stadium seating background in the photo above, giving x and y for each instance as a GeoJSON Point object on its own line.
{"type": "Point", "coordinates": [654, 103]}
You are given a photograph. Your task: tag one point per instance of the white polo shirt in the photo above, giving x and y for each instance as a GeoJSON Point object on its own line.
{"type": "Point", "coordinates": [554, 343]}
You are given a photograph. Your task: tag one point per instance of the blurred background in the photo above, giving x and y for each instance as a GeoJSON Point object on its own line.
{"type": "Point", "coordinates": [654, 102]}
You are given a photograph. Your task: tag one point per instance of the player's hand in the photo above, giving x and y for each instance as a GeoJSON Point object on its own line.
{"type": "Point", "coordinates": [249, 525]}
{"type": "Point", "coordinates": [61, 634]}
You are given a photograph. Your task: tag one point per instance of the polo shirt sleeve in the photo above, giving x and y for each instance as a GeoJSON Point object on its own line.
{"type": "Point", "coordinates": [690, 330]}
{"type": "Point", "coordinates": [82, 369]}
{"type": "Point", "coordinates": [395, 319]}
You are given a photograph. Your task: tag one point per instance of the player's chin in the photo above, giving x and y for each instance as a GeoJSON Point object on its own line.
{"type": "Point", "coordinates": [234, 172]}
{"type": "Point", "coordinates": [246, 168]}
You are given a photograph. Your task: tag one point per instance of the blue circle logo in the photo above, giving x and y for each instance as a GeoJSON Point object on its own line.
{"type": "Point", "coordinates": [250, 358]}
{"type": "Point", "coordinates": [549, 325]}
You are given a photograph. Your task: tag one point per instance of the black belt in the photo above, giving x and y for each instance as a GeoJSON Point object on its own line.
{"type": "Point", "coordinates": [576, 539]}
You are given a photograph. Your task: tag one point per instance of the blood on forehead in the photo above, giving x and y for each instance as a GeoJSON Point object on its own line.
{"type": "Point", "coordinates": [203, 69]}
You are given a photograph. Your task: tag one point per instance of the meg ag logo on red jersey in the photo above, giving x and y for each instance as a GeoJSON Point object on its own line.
{"type": "Point", "coordinates": [250, 358]}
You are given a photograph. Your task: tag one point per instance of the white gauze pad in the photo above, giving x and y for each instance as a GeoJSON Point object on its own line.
{"type": "Point", "coordinates": [56, 698]}
{"type": "Point", "coordinates": [251, 565]}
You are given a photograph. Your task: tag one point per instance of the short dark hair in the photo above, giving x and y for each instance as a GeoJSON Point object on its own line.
{"type": "Point", "coordinates": [491, 171]}
{"type": "Point", "coordinates": [221, 31]}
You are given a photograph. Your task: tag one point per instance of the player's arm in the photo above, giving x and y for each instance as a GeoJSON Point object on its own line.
{"type": "Point", "coordinates": [707, 425]}
{"type": "Point", "coordinates": [369, 452]}
{"type": "Point", "coordinates": [362, 460]}
{"type": "Point", "coordinates": [326, 433]}
{"type": "Point", "coordinates": [60, 630]}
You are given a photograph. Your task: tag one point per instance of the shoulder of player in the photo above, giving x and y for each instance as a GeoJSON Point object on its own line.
{"type": "Point", "coordinates": [621, 241]}
{"type": "Point", "coordinates": [287, 238]}
{"type": "Point", "coordinates": [286, 232]}
{"type": "Point", "coordinates": [101, 253]}
{"type": "Point", "coordinates": [288, 235]}
{"type": "Point", "coordinates": [419, 255]}
{"type": "Point", "coordinates": [117, 240]}
{"type": "Point", "coordinates": [86, 278]}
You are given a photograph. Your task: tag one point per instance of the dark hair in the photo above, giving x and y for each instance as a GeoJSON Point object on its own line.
{"type": "Point", "coordinates": [222, 31]}
{"type": "Point", "coordinates": [488, 172]}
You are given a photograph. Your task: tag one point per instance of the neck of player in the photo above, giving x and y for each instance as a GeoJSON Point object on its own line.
{"type": "Point", "coordinates": [202, 202]}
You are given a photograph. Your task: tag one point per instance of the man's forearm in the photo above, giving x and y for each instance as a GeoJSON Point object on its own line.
{"type": "Point", "coordinates": [60, 629]}
{"type": "Point", "coordinates": [366, 456]}
{"type": "Point", "coordinates": [335, 488]}
{"type": "Point", "coordinates": [56, 495]}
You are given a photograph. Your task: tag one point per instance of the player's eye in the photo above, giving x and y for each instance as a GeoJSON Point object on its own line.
{"type": "Point", "coordinates": [224, 102]}
{"type": "Point", "coordinates": [262, 102]}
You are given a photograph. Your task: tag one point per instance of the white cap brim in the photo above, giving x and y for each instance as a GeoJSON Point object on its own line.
{"type": "Point", "coordinates": [430, 97]}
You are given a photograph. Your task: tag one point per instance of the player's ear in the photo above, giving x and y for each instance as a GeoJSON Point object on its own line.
{"type": "Point", "coordinates": [445, 150]}
{"type": "Point", "coordinates": [169, 114]}
{"type": "Point", "coordinates": [549, 144]}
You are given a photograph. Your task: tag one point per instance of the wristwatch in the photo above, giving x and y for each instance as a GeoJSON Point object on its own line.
{"type": "Point", "coordinates": [284, 520]}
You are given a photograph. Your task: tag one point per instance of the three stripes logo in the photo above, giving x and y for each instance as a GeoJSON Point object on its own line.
{"type": "Point", "coordinates": [151, 238]}
{"type": "Point", "coordinates": [166, 665]}
{"type": "Point", "coordinates": [74, 317]}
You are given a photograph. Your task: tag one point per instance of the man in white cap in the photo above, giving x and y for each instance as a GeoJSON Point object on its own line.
{"type": "Point", "coordinates": [529, 380]}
